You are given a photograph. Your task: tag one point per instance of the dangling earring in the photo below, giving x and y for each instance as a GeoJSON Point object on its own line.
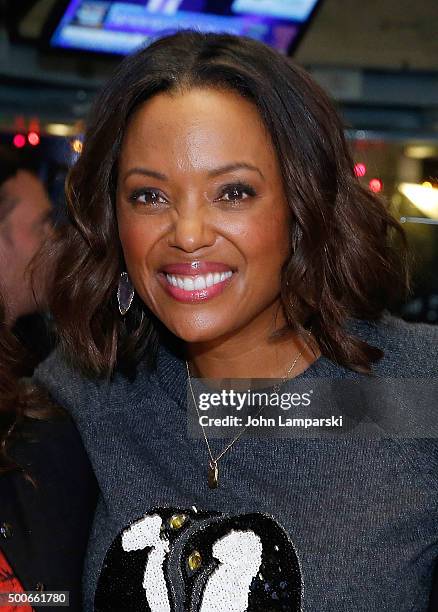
{"type": "Point", "coordinates": [125, 293]}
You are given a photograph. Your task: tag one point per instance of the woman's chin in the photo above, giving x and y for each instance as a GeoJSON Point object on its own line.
{"type": "Point", "coordinates": [197, 334]}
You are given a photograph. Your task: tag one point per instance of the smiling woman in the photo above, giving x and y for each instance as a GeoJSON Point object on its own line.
{"type": "Point", "coordinates": [206, 230]}
{"type": "Point", "coordinates": [234, 110]}
{"type": "Point", "coordinates": [216, 201]}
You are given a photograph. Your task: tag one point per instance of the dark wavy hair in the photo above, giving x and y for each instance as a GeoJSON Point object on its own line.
{"type": "Point", "coordinates": [348, 254]}
{"type": "Point", "coordinates": [19, 399]}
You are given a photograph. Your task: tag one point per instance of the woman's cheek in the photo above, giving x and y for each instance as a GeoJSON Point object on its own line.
{"type": "Point", "coordinates": [136, 237]}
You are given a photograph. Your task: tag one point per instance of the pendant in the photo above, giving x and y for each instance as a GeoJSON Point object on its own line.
{"type": "Point", "coordinates": [213, 474]}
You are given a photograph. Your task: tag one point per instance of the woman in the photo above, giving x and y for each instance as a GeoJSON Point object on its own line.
{"type": "Point", "coordinates": [216, 198]}
{"type": "Point", "coordinates": [47, 488]}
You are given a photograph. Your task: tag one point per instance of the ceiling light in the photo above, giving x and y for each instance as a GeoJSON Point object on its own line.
{"type": "Point", "coordinates": [425, 198]}
{"type": "Point", "coordinates": [60, 129]}
{"type": "Point", "coordinates": [421, 151]}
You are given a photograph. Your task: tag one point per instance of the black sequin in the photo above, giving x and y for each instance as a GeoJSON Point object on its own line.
{"type": "Point", "coordinates": [277, 586]}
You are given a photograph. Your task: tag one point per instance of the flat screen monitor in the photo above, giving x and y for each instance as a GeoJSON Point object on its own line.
{"type": "Point", "coordinates": [123, 27]}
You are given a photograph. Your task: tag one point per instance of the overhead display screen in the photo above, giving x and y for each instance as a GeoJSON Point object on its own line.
{"type": "Point", "coordinates": [123, 27]}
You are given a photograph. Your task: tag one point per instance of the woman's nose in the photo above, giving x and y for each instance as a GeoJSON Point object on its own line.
{"type": "Point", "coordinates": [191, 231]}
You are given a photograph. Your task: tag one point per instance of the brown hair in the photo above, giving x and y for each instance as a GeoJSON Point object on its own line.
{"type": "Point", "coordinates": [343, 261]}
{"type": "Point", "coordinates": [18, 399]}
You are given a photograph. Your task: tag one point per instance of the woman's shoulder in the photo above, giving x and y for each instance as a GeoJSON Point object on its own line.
{"type": "Point", "coordinates": [79, 393]}
{"type": "Point", "coordinates": [410, 349]}
{"type": "Point", "coordinates": [66, 384]}
{"type": "Point", "coordinates": [58, 371]}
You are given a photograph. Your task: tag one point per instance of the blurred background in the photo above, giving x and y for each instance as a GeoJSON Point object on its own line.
{"type": "Point", "coordinates": [378, 60]}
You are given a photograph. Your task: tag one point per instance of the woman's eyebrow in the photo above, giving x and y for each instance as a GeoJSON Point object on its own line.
{"type": "Point", "coordinates": [212, 173]}
{"type": "Point", "coordinates": [235, 166]}
{"type": "Point", "coordinates": [146, 172]}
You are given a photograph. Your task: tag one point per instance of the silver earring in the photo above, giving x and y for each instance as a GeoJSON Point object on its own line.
{"type": "Point", "coordinates": [125, 293]}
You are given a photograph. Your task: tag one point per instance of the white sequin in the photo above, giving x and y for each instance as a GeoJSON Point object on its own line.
{"type": "Point", "coordinates": [240, 555]}
{"type": "Point", "coordinates": [146, 533]}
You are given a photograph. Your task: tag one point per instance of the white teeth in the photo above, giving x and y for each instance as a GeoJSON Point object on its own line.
{"type": "Point", "coordinates": [200, 282]}
{"type": "Point", "coordinates": [190, 283]}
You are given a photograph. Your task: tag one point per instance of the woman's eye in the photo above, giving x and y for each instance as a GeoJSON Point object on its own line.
{"type": "Point", "coordinates": [236, 193]}
{"type": "Point", "coordinates": [149, 197]}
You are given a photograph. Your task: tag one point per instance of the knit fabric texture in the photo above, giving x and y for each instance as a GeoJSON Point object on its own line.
{"type": "Point", "coordinates": [360, 516]}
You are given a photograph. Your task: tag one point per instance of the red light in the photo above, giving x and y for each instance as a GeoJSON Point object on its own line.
{"type": "Point", "coordinates": [33, 139]}
{"type": "Point", "coordinates": [376, 185]}
{"type": "Point", "coordinates": [360, 170]}
{"type": "Point", "coordinates": [19, 141]}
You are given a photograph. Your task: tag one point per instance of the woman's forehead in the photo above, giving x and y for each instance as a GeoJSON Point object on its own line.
{"type": "Point", "coordinates": [199, 129]}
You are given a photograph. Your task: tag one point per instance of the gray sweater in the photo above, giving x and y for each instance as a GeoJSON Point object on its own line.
{"type": "Point", "coordinates": [319, 525]}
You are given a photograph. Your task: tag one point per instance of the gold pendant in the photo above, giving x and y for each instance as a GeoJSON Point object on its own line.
{"type": "Point", "coordinates": [213, 474]}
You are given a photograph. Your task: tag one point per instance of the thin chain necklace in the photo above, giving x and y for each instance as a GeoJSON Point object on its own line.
{"type": "Point", "coordinates": [213, 470]}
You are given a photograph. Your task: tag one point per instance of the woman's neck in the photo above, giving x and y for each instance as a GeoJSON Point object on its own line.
{"type": "Point", "coordinates": [251, 354]}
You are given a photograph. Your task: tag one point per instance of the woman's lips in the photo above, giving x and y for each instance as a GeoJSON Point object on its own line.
{"type": "Point", "coordinates": [195, 282]}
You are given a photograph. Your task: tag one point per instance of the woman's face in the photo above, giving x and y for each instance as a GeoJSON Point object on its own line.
{"type": "Point", "coordinates": [202, 215]}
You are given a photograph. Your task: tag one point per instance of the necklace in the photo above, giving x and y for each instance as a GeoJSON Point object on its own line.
{"type": "Point", "coordinates": [213, 470]}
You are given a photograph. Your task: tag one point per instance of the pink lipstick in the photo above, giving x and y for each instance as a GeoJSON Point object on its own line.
{"type": "Point", "coordinates": [195, 281]}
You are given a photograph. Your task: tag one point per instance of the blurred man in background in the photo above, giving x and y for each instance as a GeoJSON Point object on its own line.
{"type": "Point", "coordinates": [25, 223]}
